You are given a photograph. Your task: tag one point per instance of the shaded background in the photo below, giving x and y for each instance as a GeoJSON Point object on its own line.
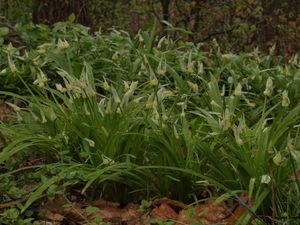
{"type": "Point", "coordinates": [238, 25]}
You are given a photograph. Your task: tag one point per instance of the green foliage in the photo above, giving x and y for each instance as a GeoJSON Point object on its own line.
{"type": "Point", "coordinates": [15, 11]}
{"type": "Point", "coordinates": [151, 117]}
{"type": "Point", "coordinates": [239, 25]}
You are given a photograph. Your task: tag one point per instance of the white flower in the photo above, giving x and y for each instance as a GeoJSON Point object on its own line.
{"type": "Point", "coordinates": [62, 44]}
{"type": "Point", "coordinates": [162, 67]}
{"type": "Point", "coordinates": [239, 141]}
{"type": "Point", "coordinates": [238, 90]}
{"type": "Point", "coordinates": [160, 42]}
{"type": "Point", "coordinates": [251, 104]}
{"type": "Point", "coordinates": [237, 137]}
{"type": "Point", "coordinates": [168, 93]}
{"type": "Point", "coordinates": [285, 99]}
{"type": "Point", "coordinates": [226, 120]}
{"type": "Point", "coordinates": [90, 142]}
{"type": "Point", "coordinates": [127, 96]}
{"type": "Point", "coordinates": [151, 102]}
{"type": "Point", "coordinates": [265, 179]}
{"type": "Point", "coordinates": [194, 86]}
{"type": "Point", "coordinates": [213, 103]}
{"type": "Point", "coordinates": [105, 85]}
{"type": "Point", "coordinates": [106, 160]}
{"type": "Point", "coordinates": [4, 71]}
{"type": "Point", "coordinates": [229, 56]}
{"type": "Point", "coordinates": [175, 132]}
{"type": "Point", "coordinates": [269, 87]}
{"type": "Point", "coordinates": [12, 65]}
{"type": "Point", "coordinates": [223, 91]}
{"type": "Point", "coordinates": [277, 159]}
{"type": "Point", "coordinates": [141, 39]}
{"type": "Point", "coordinates": [242, 124]}
{"type": "Point", "coordinates": [190, 67]}
{"type": "Point", "coordinates": [60, 88]}
{"type": "Point", "coordinates": [15, 107]}
{"type": "Point", "coordinates": [41, 79]}
{"type": "Point", "coordinates": [200, 68]}
{"type": "Point", "coordinates": [126, 85]}
{"type": "Point", "coordinates": [230, 80]}
{"type": "Point", "coordinates": [115, 56]}
{"type": "Point", "coordinates": [153, 82]}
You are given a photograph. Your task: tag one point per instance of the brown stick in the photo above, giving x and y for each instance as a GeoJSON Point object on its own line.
{"type": "Point", "coordinates": [13, 203]}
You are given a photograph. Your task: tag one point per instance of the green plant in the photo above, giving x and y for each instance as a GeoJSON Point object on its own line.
{"type": "Point", "coordinates": [153, 117]}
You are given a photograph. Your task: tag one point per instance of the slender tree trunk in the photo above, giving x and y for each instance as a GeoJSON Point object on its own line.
{"type": "Point", "coordinates": [196, 15]}
{"type": "Point", "coordinates": [165, 9]}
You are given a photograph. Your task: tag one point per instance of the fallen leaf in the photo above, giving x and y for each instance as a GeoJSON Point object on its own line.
{"type": "Point", "coordinates": [208, 213]}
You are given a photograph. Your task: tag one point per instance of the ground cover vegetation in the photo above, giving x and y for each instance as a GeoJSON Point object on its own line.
{"type": "Point", "coordinates": [130, 119]}
{"type": "Point", "coordinates": [238, 25]}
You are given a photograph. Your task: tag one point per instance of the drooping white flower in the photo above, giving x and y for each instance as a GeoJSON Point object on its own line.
{"type": "Point", "coordinates": [152, 79]}
{"type": "Point", "coordinates": [126, 85]}
{"type": "Point", "coordinates": [229, 56]}
{"type": "Point", "coordinates": [160, 42]}
{"type": "Point", "coordinates": [269, 87]}
{"type": "Point", "coordinates": [90, 142]}
{"type": "Point", "coordinates": [237, 137]}
{"type": "Point", "coordinates": [162, 67]}
{"type": "Point", "coordinates": [15, 107]}
{"type": "Point", "coordinates": [200, 68]}
{"type": "Point", "coordinates": [277, 159]}
{"type": "Point", "coordinates": [194, 86]}
{"type": "Point", "coordinates": [105, 85]}
{"type": "Point", "coordinates": [226, 120]}
{"type": "Point", "coordinates": [285, 99]}
{"type": "Point", "coordinates": [106, 160]}
{"type": "Point", "coordinates": [238, 90]}
{"type": "Point", "coordinates": [115, 56]}
{"type": "Point", "coordinates": [11, 65]}
{"type": "Point", "coordinates": [41, 79]}
{"type": "Point", "coordinates": [60, 88]}
{"type": "Point", "coordinates": [168, 93]}
{"type": "Point", "coordinates": [4, 71]}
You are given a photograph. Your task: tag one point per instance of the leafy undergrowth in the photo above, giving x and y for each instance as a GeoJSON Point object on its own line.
{"type": "Point", "coordinates": [127, 119]}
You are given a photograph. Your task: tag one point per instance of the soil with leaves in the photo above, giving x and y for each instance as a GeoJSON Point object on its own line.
{"type": "Point", "coordinates": [107, 129]}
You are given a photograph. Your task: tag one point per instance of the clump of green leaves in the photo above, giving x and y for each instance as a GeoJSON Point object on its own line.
{"type": "Point", "coordinates": [152, 117]}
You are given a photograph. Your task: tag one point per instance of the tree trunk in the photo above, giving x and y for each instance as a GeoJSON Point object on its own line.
{"type": "Point", "coordinates": [165, 9]}
{"type": "Point", "coordinates": [52, 11]}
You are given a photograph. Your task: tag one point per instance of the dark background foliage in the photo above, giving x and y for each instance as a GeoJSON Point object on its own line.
{"type": "Point", "coordinates": [238, 25]}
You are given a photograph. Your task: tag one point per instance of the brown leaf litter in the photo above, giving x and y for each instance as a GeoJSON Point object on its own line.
{"type": "Point", "coordinates": [62, 211]}
{"type": "Point", "coordinates": [5, 112]}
